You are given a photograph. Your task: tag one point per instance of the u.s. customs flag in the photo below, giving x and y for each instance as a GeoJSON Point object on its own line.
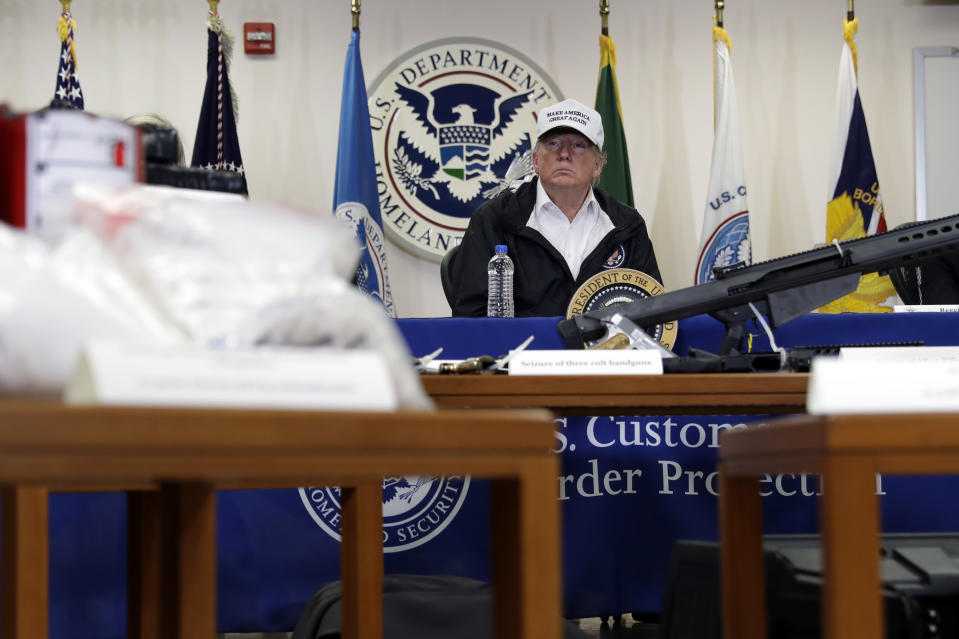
{"type": "Point", "coordinates": [355, 197]}
{"type": "Point", "coordinates": [855, 206]}
{"type": "Point", "coordinates": [68, 82]}
{"type": "Point", "coordinates": [615, 178]}
{"type": "Point", "coordinates": [217, 146]}
{"type": "Point", "coordinates": [725, 236]}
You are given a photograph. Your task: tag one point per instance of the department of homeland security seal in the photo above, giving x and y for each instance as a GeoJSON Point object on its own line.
{"type": "Point", "coordinates": [622, 286]}
{"type": "Point", "coordinates": [371, 272]}
{"type": "Point", "coordinates": [448, 118]}
{"type": "Point", "coordinates": [416, 508]}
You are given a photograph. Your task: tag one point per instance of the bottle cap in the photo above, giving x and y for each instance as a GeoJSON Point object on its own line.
{"type": "Point", "coordinates": [500, 248]}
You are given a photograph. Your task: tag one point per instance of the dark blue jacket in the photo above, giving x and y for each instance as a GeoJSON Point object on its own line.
{"type": "Point", "coordinates": [542, 283]}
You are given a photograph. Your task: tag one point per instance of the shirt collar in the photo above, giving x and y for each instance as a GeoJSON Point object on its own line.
{"type": "Point", "coordinates": [542, 200]}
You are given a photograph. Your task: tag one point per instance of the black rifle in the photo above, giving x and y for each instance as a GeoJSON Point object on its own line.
{"type": "Point", "coordinates": [795, 358]}
{"type": "Point", "coordinates": [780, 289]}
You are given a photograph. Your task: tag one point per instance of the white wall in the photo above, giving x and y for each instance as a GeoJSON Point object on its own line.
{"type": "Point", "coordinates": [139, 55]}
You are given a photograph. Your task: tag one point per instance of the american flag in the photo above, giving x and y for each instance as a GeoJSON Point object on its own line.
{"type": "Point", "coordinates": [68, 82]}
{"type": "Point", "coordinates": [217, 146]}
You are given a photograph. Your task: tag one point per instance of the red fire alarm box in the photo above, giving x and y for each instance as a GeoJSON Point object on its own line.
{"type": "Point", "coordinates": [259, 37]}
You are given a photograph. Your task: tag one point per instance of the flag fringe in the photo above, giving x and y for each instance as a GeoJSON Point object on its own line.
{"type": "Point", "coordinates": [720, 33]}
{"type": "Point", "coordinates": [216, 25]}
{"type": "Point", "coordinates": [65, 25]}
{"type": "Point", "coordinates": [849, 29]}
{"type": "Point", "coordinates": [607, 57]}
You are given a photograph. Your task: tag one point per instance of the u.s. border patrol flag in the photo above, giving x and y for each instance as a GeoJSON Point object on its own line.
{"type": "Point", "coordinates": [217, 146]}
{"type": "Point", "coordinates": [855, 205]}
{"type": "Point", "coordinates": [725, 236]}
{"type": "Point", "coordinates": [68, 82]}
{"type": "Point", "coordinates": [615, 178]}
{"type": "Point", "coordinates": [354, 195]}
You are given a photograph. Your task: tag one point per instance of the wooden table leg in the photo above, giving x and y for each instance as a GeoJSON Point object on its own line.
{"type": "Point", "coordinates": [145, 546]}
{"type": "Point", "coordinates": [742, 566]}
{"type": "Point", "coordinates": [25, 558]}
{"type": "Point", "coordinates": [361, 560]}
{"type": "Point", "coordinates": [193, 519]}
{"type": "Point", "coordinates": [849, 520]}
{"type": "Point", "coordinates": [527, 563]}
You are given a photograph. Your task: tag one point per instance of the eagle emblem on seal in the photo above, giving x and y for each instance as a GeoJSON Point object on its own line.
{"type": "Point", "coordinates": [462, 130]}
{"type": "Point", "coordinates": [404, 488]}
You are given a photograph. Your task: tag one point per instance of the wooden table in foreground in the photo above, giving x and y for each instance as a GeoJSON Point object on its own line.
{"type": "Point", "coordinates": [172, 461]}
{"type": "Point", "coordinates": [847, 451]}
{"type": "Point", "coordinates": [710, 393]}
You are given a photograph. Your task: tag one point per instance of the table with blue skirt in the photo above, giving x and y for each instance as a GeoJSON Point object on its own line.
{"type": "Point", "coordinates": [630, 487]}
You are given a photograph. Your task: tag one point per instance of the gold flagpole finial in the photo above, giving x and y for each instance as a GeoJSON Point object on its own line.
{"type": "Point", "coordinates": [355, 10]}
{"type": "Point", "coordinates": [720, 5]}
{"type": "Point", "coordinates": [66, 5]}
{"type": "Point", "coordinates": [213, 5]}
{"type": "Point", "coordinates": [850, 10]}
{"type": "Point", "coordinates": [604, 15]}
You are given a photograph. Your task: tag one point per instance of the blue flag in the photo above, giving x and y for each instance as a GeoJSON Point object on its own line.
{"type": "Point", "coordinates": [217, 146]}
{"type": "Point", "coordinates": [355, 197]}
{"type": "Point", "coordinates": [857, 175]}
{"type": "Point", "coordinates": [68, 82]}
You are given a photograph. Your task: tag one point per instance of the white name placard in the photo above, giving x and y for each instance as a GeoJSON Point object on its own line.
{"type": "Point", "coordinates": [901, 354]}
{"type": "Point", "coordinates": [602, 362]}
{"type": "Point", "coordinates": [844, 386]}
{"type": "Point", "coordinates": [292, 378]}
{"type": "Point", "coordinates": [925, 308]}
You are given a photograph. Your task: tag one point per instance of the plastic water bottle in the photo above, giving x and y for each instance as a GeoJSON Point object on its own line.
{"type": "Point", "coordinates": [499, 300]}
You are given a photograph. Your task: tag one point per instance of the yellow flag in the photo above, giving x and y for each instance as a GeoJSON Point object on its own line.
{"type": "Point", "coordinates": [844, 222]}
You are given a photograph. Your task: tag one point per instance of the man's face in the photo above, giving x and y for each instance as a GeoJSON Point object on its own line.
{"type": "Point", "coordinates": [566, 159]}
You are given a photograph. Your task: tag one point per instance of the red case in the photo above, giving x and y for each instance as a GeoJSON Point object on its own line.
{"type": "Point", "coordinates": [13, 168]}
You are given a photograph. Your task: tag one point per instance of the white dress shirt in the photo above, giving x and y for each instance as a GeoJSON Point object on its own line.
{"type": "Point", "coordinates": [574, 240]}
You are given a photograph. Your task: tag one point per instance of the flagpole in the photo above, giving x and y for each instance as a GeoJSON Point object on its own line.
{"type": "Point", "coordinates": [719, 5]}
{"type": "Point", "coordinates": [355, 10]}
{"type": "Point", "coordinates": [604, 15]}
{"type": "Point", "coordinates": [66, 5]}
{"type": "Point", "coordinates": [213, 5]}
{"type": "Point", "coordinates": [850, 10]}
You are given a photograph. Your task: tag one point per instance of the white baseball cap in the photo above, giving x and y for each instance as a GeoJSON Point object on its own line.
{"type": "Point", "coordinates": [571, 114]}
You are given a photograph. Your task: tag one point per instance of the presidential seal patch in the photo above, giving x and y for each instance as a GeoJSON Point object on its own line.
{"type": "Point", "coordinates": [447, 120]}
{"type": "Point", "coordinates": [622, 286]}
{"type": "Point", "coordinates": [416, 508]}
{"type": "Point", "coordinates": [616, 258]}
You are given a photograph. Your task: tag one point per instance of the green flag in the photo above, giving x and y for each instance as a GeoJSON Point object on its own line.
{"type": "Point", "coordinates": [615, 178]}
